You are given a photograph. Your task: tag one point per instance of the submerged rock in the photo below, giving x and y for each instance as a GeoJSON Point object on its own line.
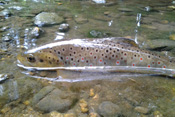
{"type": "Point", "coordinates": [5, 13]}
{"type": "Point", "coordinates": [22, 89]}
{"type": "Point", "coordinates": [64, 27]}
{"type": "Point", "coordinates": [108, 109]}
{"type": "Point", "coordinates": [47, 18]}
{"type": "Point", "coordinates": [4, 77]}
{"type": "Point", "coordinates": [97, 34]}
{"type": "Point", "coordinates": [172, 37]}
{"type": "Point", "coordinates": [6, 38]}
{"type": "Point", "coordinates": [52, 99]}
{"type": "Point", "coordinates": [99, 1]}
{"type": "Point", "coordinates": [80, 19]}
{"type": "Point", "coordinates": [125, 9]}
{"type": "Point", "coordinates": [141, 109]}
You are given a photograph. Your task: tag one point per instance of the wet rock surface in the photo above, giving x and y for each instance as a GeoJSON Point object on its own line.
{"type": "Point", "coordinates": [5, 13]}
{"type": "Point", "coordinates": [141, 109]}
{"type": "Point", "coordinates": [109, 109]}
{"type": "Point", "coordinates": [63, 27]}
{"type": "Point", "coordinates": [52, 99]}
{"type": "Point", "coordinates": [47, 18]}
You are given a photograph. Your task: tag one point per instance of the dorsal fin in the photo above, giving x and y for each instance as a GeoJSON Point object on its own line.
{"type": "Point", "coordinates": [124, 41]}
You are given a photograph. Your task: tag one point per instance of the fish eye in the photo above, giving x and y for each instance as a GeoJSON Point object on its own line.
{"type": "Point", "coordinates": [31, 59]}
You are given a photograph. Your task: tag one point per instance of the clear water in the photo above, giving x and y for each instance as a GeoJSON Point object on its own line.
{"type": "Point", "coordinates": [150, 23]}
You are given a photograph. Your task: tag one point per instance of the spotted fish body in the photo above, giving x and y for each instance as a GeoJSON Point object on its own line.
{"type": "Point", "coordinates": [113, 52]}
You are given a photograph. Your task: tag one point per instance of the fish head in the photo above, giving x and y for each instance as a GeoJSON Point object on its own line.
{"type": "Point", "coordinates": [40, 59]}
{"type": "Point", "coordinates": [27, 59]}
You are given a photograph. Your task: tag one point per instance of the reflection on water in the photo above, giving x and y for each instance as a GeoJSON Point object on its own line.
{"type": "Point", "coordinates": [138, 19]}
{"type": "Point", "coordinates": [150, 23]}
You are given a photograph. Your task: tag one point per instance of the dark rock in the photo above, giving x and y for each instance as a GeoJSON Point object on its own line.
{"type": "Point", "coordinates": [108, 109]}
{"type": "Point", "coordinates": [64, 27]}
{"type": "Point", "coordinates": [52, 99]}
{"type": "Point", "coordinates": [47, 18]}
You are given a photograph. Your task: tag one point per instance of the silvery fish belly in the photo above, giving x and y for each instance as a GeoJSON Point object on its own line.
{"type": "Point", "coordinates": [95, 55]}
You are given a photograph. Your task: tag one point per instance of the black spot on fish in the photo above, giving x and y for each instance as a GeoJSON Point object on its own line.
{"type": "Point", "coordinates": [107, 51]}
{"type": "Point", "coordinates": [61, 58]}
{"type": "Point", "coordinates": [31, 59]}
{"type": "Point", "coordinates": [70, 48]}
{"type": "Point", "coordinates": [58, 52]}
{"type": "Point", "coordinates": [74, 52]}
{"type": "Point", "coordinates": [41, 60]}
{"type": "Point", "coordinates": [50, 62]}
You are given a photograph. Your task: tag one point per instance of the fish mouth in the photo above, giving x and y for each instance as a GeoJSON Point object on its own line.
{"type": "Point", "coordinates": [21, 59]}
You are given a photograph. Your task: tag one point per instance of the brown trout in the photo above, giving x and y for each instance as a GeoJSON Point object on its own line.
{"type": "Point", "coordinates": [115, 54]}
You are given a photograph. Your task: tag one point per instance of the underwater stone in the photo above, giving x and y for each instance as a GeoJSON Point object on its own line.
{"type": "Point", "coordinates": [125, 10]}
{"type": "Point", "coordinates": [1, 8]}
{"type": "Point", "coordinates": [47, 18]}
{"type": "Point", "coordinates": [64, 27]}
{"type": "Point", "coordinates": [52, 99]}
{"type": "Point", "coordinates": [99, 1]}
{"type": "Point", "coordinates": [172, 37]}
{"type": "Point", "coordinates": [141, 109]}
{"type": "Point", "coordinates": [4, 77]}
{"type": "Point", "coordinates": [4, 13]}
{"type": "Point", "coordinates": [97, 34]}
{"type": "Point", "coordinates": [6, 38]}
{"type": "Point", "coordinates": [108, 109]}
{"type": "Point", "coordinates": [80, 19]}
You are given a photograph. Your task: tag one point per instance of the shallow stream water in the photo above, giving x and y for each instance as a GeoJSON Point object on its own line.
{"type": "Point", "coordinates": [150, 23]}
